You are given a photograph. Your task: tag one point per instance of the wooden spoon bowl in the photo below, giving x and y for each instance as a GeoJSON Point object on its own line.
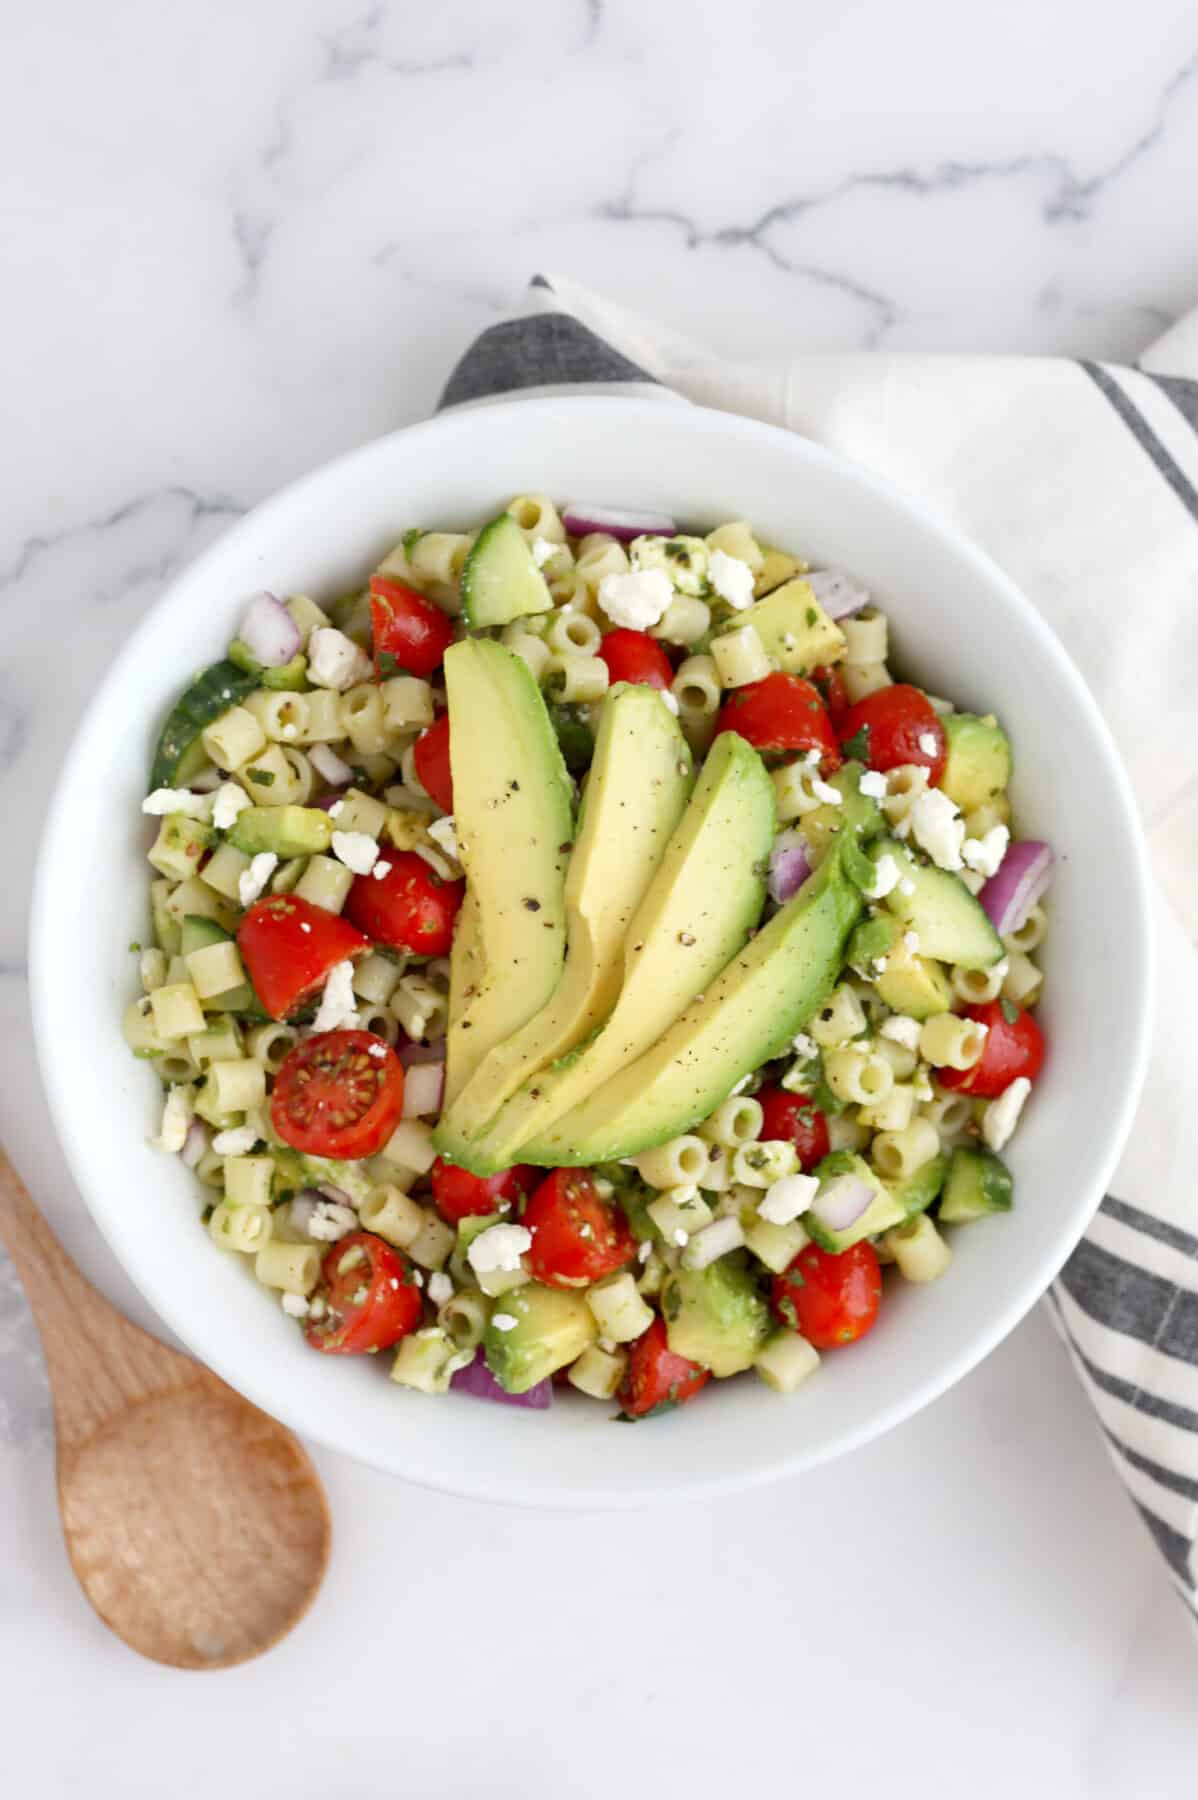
{"type": "Point", "coordinates": [196, 1525]}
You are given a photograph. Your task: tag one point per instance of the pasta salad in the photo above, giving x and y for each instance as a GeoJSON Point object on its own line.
{"type": "Point", "coordinates": [577, 959]}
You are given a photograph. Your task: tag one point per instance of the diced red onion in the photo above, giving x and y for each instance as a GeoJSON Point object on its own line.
{"type": "Point", "coordinates": [1021, 878]}
{"type": "Point", "coordinates": [790, 865]}
{"type": "Point", "coordinates": [842, 1202]}
{"type": "Point", "coordinates": [328, 764]}
{"type": "Point", "coordinates": [197, 1141]}
{"type": "Point", "coordinates": [838, 594]}
{"type": "Point", "coordinates": [325, 802]}
{"type": "Point", "coordinates": [337, 1195]}
{"type": "Point", "coordinates": [478, 1380]}
{"type": "Point", "coordinates": [303, 1206]}
{"type": "Point", "coordinates": [423, 1090]}
{"type": "Point", "coordinates": [269, 632]}
{"type": "Point", "coordinates": [411, 1055]}
{"type": "Point", "coordinates": [580, 521]}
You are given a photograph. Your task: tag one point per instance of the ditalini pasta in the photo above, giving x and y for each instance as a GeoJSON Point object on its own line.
{"type": "Point", "coordinates": [577, 949]}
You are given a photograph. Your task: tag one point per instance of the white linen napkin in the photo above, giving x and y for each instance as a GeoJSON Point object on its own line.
{"type": "Point", "coordinates": [1081, 480]}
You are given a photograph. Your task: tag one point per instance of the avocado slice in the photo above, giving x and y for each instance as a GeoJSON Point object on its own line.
{"type": "Point", "coordinates": [977, 764]}
{"type": "Point", "coordinates": [908, 983]}
{"type": "Point", "coordinates": [513, 806]}
{"type": "Point", "coordinates": [949, 922]}
{"type": "Point", "coordinates": [639, 785]}
{"type": "Point", "coordinates": [978, 1183]}
{"type": "Point", "coordinates": [465, 957]}
{"type": "Point", "coordinates": [500, 577]}
{"type": "Point", "coordinates": [747, 1015]}
{"type": "Point", "coordinates": [883, 1211]}
{"type": "Point", "coordinates": [698, 909]}
{"type": "Point", "coordinates": [715, 1316]}
{"type": "Point", "coordinates": [795, 631]}
{"type": "Point", "coordinates": [553, 1327]}
{"type": "Point", "coordinates": [285, 830]}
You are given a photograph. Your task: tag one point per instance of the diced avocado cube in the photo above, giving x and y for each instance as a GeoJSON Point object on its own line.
{"type": "Point", "coordinates": [553, 1326]}
{"type": "Point", "coordinates": [918, 1190]}
{"type": "Point", "coordinates": [883, 1211]}
{"type": "Point", "coordinates": [285, 830]}
{"type": "Point", "coordinates": [978, 1183]}
{"type": "Point", "coordinates": [715, 1316]}
{"type": "Point", "coordinates": [907, 982]}
{"type": "Point", "coordinates": [977, 764]}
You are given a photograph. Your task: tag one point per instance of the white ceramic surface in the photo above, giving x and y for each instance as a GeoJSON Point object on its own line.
{"type": "Point", "coordinates": [957, 623]}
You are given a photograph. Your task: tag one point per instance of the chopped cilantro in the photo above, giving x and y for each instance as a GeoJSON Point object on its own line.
{"type": "Point", "coordinates": [261, 777]}
{"type": "Point", "coordinates": [389, 663]}
{"type": "Point", "coordinates": [856, 748]}
{"type": "Point", "coordinates": [411, 539]}
{"type": "Point", "coordinates": [1010, 1011]}
{"type": "Point", "coordinates": [812, 616]}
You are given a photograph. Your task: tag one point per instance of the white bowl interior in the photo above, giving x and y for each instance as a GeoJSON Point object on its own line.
{"type": "Point", "coordinates": [958, 626]}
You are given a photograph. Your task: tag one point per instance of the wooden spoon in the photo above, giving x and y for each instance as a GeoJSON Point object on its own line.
{"type": "Point", "coordinates": [196, 1525]}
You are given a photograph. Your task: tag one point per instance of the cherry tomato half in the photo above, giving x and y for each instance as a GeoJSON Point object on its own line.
{"type": "Point", "coordinates": [1014, 1046]}
{"type": "Point", "coordinates": [410, 633]}
{"type": "Point", "coordinates": [657, 1376]}
{"type": "Point", "coordinates": [339, 1093]}
{"type": "Point", "coordinates": [636, 657]}
{"type": "Point", "coordinates": [457, 1194]}
{"type": "Point", "coordinates": [369, 1298]}
{"type": "Point", "coordinates": [795, 1120]}
{"type": "Point", "coordinates": [410, 908]}
{"type": "Point", "coordinates": [832, 1300]}
{"type": "Point", "coordinates": [895, 726]}
{"type": "Point", "coordinates": [781, 712]}
{"type": "Point", "coordinates": [431, 756]}
{"type": "Point", "coordinates": [577, 1238]}
{"type": "Point", "coordinates": [289, 945]}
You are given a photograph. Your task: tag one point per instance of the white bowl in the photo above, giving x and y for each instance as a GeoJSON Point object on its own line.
{"type": "Point", "coordinates": [959, 627]}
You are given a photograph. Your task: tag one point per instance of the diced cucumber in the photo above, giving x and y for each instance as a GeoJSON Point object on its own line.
{"type": "Point", "coordinates": [286, 830]}
{"type": "Point", "coordinates": [500, 579]}
{"type": "Point", "coordinates": [921, 1187]}
{"type": "Point", "coordinates": [291, 676]}
{"type": "Point", "coordinates": [978, 1183]}
{"type": "Point", "coordinates": [939, 908]}
{"type": "Point", "coordinates": [197, 934]}
{"type": "Point", "coordinates": [180, 755]}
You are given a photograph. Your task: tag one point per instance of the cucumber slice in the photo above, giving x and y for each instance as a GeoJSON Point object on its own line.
{"type": "Point", "coordinates": [290, 676]}
{"type": "Point", "coordinates": [940, 909]}
{"type": "Point", "coordinates": [978, 1183]}
{"type": "Point", "coordinates": [180, 755]}
{"type": "Point", "coordinates": [500, 579]}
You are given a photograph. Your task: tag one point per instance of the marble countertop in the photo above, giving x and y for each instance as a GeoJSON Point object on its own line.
{"type": "Point", "coordinates": [240, 239]}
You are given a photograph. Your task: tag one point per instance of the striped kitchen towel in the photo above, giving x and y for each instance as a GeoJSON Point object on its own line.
{"type": "Point", "coordinates": [1082, 481]}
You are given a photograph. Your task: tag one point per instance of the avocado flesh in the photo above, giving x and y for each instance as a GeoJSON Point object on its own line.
{"type": "Point", "coordinates": [795, 631]}
{"type": "Point", "coordinates": [639, 784]}
{"type": "Point", "coordinates": [747, 1015]}
{"type": "Point", "coordinates": [908, 983]}
{"type": "Point", "coordinates": [977, 764]}
{"type": "Point", "coordinates": [284, 830]}
{"type": "Point", "coordinates": [553, 1327]}
{"type": "Point", "coordinates": [922, 1186]}
{"type": "Point", "coordinates": [465, 958]}
{"type": "Point", "coordinates": [884, 1210]}
{"type": "Point", "coordinates": [949, 922]}
{"type": "Point", "coordinates": [513, 807]}
{"type": "Point", "coordinates": [698, 909]}
{"type": "Point", "coordinates": [715, 1316]}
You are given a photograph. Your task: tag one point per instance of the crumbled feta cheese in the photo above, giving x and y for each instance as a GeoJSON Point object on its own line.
{"type": "Point", "coordinates": [440, 1288]}
{"type": "Point", "coordinates": [294, 1305]}
{"type": "Point", "coordinates": [644, 1250]}
{"type": "Point", "coordinates": [670, 701]}
{"type": "Point", "coordinates": [176, 1119]}
{"type": "Point", "coordinates": [1002, 1115]}
{"type": "Point", "coordinates": [239, 1140]}
{"type": "Point", "coordinates": [743, 1083]}
{"type": "Point", "coordinates": [873, 784]}
{"type": "Point", "coordinates": [985, 854]}
{"type": "Point", "coordinates": [335, 661]}
{"type": "Point", "coordinates": [337, 808]}
{"type": "Point", "coordinates": [880, 964]}
{"type": "Point", "coordinates": [886, 877]}
{"type": "Point", "coordinates": [543, 551]}
{"type": "Point", "coordinates": [637, 600]}
{"type": "Point", "coordinates": [681, 1238]}
{"type": "Point", "coordinates": [251, 881]}
{"type": "Point", "coordinates": [304, 925]}
{"type": "Point", "coordinates": [331, 1221]}
{"type": "Point", "coordinates": [938, 828]}
{"type": "Point", "coordinates": [176, 800]}
{"type": "Point", "coordinates": [731, 578]}
{"type": "Point", "coordinates": [837, 592]}
{"type": "Point", "coordinates": [928, 743]}
{"type": "Point", "coordinates": [901, 1030]}
{"type": "Point", "coordinates": [356, 849]}
{"type": "Point", "coordinates": [911, 941]}
{"type": "Point", "coordinates": [444, 834]}
{"type": "Point", "coordinates": [906, 885]}
{"type": "Point", "coordinates": [823, 790]}
{"type": "Point", "coordinates": [381, 869]}
{"type": "Point", "coordinates": [504, 1321]}
{"type": "Point", "coordinates": [785, 1199]}
{"type": "Point", "coordinates": [498, 1249]}
{"type": "Point", "coordinates": [803, 1046]}
{"type": "Point", "coordinates": [336, 1007]}
{"type": "Point", "coordinates": [228, 801]}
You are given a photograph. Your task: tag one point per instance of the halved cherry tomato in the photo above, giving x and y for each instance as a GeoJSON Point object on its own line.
{"type": "Point", "coordinates": [781, 712]}
{"type": "Point", "coordinates": [577, 1238]}
{"type": "Point", "coordinates": [369, 1298]}
{"type": "Point", "coordinates": [634, 656]}
{"type": "Point", "coordinates": [657, 1377]}
{"type": "Point", "coordinates": [410, 908]}
{"type": "Point", "coordinates": [830, 683]}
{"type": "Point", "coordinates": [1014, 1046]}
{"type": "Point", "coordinates": [431, 756]}
{"type": "Point", "coordinates": [340, 1094]}
{"type": "Point", "coordinates": [457, 1194]}
{"type": "Point", "coordinates": [895, 726]}
{"type": "Point", "coordinates": [794, 1119]}
{"type": "Point", "coordinates": [289, 945]}
{"type": "Point", "coordinates": [831, 1300]}
{"type": "Point", "coordinates": [410, 633]}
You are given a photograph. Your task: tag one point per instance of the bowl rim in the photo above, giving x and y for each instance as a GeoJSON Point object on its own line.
{"type": "Point", "coordinates": [472, 1481]}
